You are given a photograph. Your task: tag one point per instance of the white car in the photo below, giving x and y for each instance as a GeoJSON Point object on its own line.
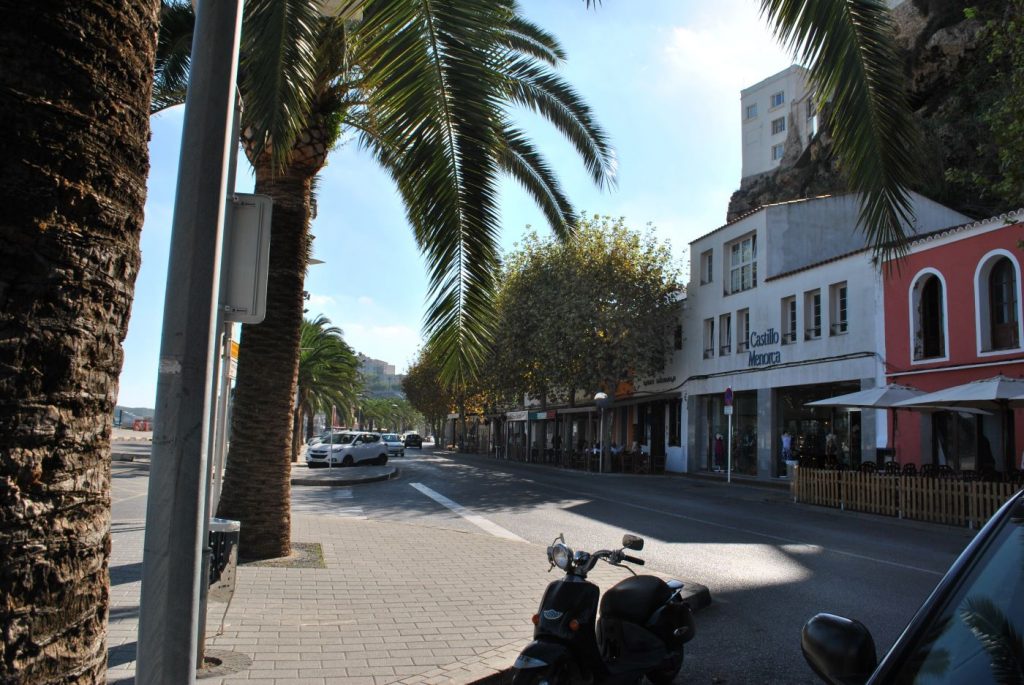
{"type": "Point", "coordinates": [396, 446]}
{"type": "Point", "coordinates": [348, 448]}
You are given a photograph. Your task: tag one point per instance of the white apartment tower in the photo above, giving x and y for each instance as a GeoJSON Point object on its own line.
{"type": "Point", "coordinates": [779, 120]}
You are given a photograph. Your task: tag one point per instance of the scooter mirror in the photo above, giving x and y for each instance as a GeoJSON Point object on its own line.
{"type": "Point", "coordinates": [632, 542]}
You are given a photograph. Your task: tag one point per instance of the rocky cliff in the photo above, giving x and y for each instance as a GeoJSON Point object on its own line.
{"type": "Point", "coordinates": [953, 83]}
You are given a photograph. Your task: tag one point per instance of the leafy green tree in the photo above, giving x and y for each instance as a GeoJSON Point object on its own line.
{"type": "Point", "coordinates": [328, 375]}
{"type": "Point", "coordinates": [429, 88]}
{"type": "Point", "coordinates": [426, 393]}
{"type": "Point", "coordinates": [585, 314]}
{"type": "Point", "coordinates": [1000, 155]}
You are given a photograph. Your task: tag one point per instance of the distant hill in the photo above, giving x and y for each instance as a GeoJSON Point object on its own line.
{"type": "Point", "coordinates": [133, 412]}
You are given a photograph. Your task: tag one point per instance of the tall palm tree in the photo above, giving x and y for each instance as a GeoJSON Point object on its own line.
{"type": "Point", "coordinates": [75, 139]}
{"type": "Point", "coordinates": [328, 374]}
{"type": "Point", "coordinates": [429, 88]}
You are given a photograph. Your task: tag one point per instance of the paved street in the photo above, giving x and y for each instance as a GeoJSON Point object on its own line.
{"type": "Point", "coordinates": [454, 548]}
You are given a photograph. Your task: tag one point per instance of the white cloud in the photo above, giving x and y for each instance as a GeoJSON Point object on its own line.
{"type": "Point", "coordinates": [723, 50]}
{"type": "Point", "coordinates": [365, 300]}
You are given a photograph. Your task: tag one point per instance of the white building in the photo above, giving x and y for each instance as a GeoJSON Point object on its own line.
{"type": "Point", "coordinates": [785, 307]}
{"type": "Point", "coordinates": [779, 120]}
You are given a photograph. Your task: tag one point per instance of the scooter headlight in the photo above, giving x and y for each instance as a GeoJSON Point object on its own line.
{"type": "Point", "coordinates": [560, 555]}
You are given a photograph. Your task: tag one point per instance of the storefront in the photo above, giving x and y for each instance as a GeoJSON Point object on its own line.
{"type": "Point", "coordinates": [954, 314]}
{"type": "Point", "coordinates": [785, 307]}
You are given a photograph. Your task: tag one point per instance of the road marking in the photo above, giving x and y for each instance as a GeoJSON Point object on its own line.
{"type": "Point", "coordinates": [478, 521]}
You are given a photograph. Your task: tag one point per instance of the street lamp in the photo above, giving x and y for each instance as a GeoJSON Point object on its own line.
{"type": "Point", "coordinates": [601, 400]}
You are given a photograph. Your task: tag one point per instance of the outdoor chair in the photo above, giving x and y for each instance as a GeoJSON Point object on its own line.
{"type": "Point", "coordinates": [910, 469]}
{"type": "Point", "coordinates": [892, 468]}
{"type": "Point", "coordinates": [929, 470]}
{"type": "Point", "coordinates": [868, 467]}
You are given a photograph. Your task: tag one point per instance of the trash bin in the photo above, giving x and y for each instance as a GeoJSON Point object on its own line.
{"type": "Point", "coordinates": [223, 541]}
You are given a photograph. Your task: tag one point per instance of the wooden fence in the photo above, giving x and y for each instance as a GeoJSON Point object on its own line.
{"type": "Point", "coordinates": [939, 500]}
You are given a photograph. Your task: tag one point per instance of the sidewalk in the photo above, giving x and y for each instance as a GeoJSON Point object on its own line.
{"type": "Point", "coordinates": [393, 603]}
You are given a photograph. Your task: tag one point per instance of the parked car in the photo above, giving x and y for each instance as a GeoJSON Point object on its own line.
{"type": "Point", "coordinates": [396, 446]}
{"type": "Point", "coordinates": [348, 448]}
{"type": "Point", "coordinates": [413, 440]}
{"type": "Point", "coordinates": [967, 631]}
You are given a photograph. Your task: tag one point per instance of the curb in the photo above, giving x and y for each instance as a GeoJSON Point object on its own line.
{"type": "Point", "coordinates": [334, 482]}
{"type": "Point", "coordinates": [121, 456]}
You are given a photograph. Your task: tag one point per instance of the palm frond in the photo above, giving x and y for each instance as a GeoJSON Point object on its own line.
{"type": "Point", "coordinates": [278, 71]}
{"type": "Point", "coordinates": [849, 49]}
{"type": "Point", "coordinates": [434, 87]}
{"type": "Point", "coordinates": [523, 161]}
{"type": "Point", "coordinates": [533, 85]}
{"type": "Point", "coordinates": [173, 55]}
{"type": "Point", "coordinates": [528, 38]}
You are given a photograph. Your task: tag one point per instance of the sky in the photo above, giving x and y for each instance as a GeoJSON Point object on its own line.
{"type": "Point", "coordinates": [663, 78]}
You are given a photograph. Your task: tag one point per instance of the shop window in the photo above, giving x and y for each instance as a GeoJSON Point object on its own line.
{"type": "Point", "coordinates": [725, 334]}
{"type": "Point", "coordinates": [709, 338]}
{"type": "Point", "coordinates": [998, 303]}
{"type": "Point", "coordinates": [742, 263]}
{"type": "Point", "coordinates": [837, 308]}
{"type": "Point", "coordinates": [742, 329]}
{"type": "Point", "coordinates": [812, 314]}
{"type": "Point", "coordinates": [677, 337]}
{"type": "Point", "coordinates": [778, 126]}
{"type": "Point", "coordinates": [929, 316]}
{"type": "Point", "coordinates": [706, 267]}
{"type": "Point", "coordinates": [789, 320]}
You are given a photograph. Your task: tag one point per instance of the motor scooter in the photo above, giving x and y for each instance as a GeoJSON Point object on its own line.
{"type": "Point", "coordinates": [643, 624]}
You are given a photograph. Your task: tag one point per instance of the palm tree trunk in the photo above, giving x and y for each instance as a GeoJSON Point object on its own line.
{"type": "Point", "coordinates": [74, 102]}
{"type": "Point", "coordinates": [309, 426]}
{"type": "Point", "coordinates": [257, 485]}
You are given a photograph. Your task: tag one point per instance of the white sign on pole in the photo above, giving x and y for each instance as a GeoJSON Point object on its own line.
{"type": "Point", "coordinates": [244, 298]}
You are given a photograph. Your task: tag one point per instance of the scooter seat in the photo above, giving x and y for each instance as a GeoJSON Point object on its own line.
{"type": "Point", "coordinates": [635, 599]}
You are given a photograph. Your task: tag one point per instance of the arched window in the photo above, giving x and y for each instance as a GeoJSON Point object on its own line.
{"type": "Point", "coordinates": [1002, 312]}
{"type": "Point", "coordinates": [929, 312]}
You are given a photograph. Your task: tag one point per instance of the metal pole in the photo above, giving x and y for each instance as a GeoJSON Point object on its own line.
{"type": "Point", "coordinates": [600, 464]}
{"type": "Point", "coordinates": [169, 606]}
{"type": "Point", "coordinates": [728, 450]}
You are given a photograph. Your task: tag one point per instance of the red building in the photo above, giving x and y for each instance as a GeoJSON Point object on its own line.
{"type": "Point", "coordinates": [953, 315]}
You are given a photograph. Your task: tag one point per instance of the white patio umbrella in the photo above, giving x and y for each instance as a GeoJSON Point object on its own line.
{"type": "Point", "coordinates": [880, 397]}
{"type": "Point", "coordinates": [999, 393]}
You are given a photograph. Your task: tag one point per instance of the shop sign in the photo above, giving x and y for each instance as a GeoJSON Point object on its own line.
{"type": "Point", "coordinates": [518, 416]}
{"type": "Point", "coordinates": [542, 415]}
{"type": "Point", "coordinates": [756, 341]}
{"type": "Point", "coordinates": [658, 381]}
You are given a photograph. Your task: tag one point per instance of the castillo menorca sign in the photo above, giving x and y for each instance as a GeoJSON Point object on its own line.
{"type": "Point", "coordinates": [757, 341]}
